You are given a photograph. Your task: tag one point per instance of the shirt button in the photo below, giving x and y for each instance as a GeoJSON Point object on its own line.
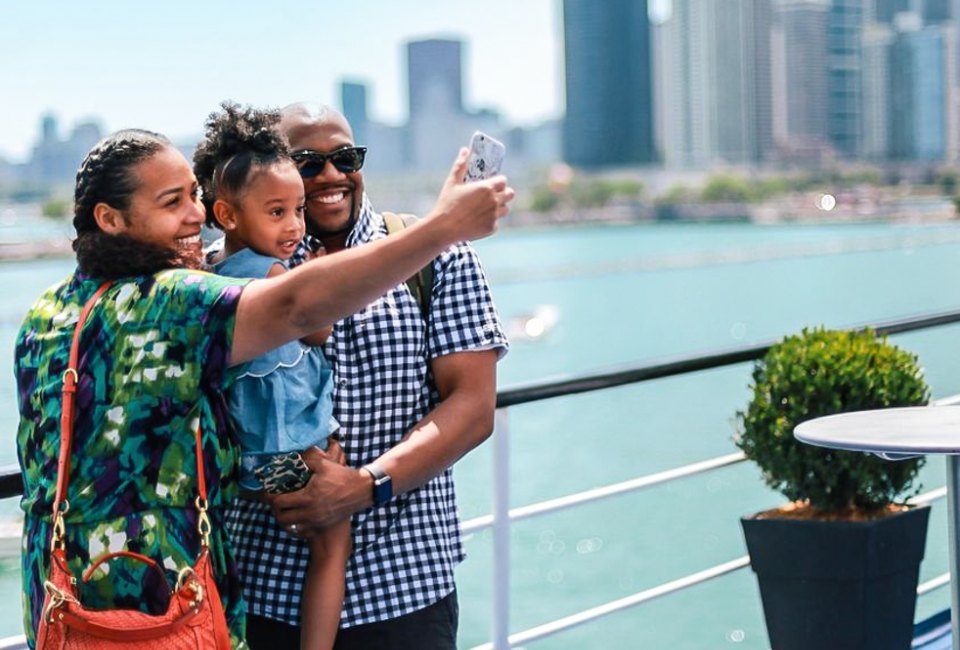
{"type": "Point", "coordinates": [343, 382]}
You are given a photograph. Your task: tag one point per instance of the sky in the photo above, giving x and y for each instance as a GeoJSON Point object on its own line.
{"type": "Point", "coordinates": [166, 65]}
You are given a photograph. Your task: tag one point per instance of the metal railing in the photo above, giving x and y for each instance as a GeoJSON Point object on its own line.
{"type": "Point", "coordinates": [501, 636]}
{"type": "Point", "coordinates": [502, 516]}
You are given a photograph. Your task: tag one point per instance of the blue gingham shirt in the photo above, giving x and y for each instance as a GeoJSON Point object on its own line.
{"type": "Point", "coordinates": [405, 551]}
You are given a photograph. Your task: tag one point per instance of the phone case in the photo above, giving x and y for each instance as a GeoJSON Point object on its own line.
{"type": "Point", "coordinates": [283, 473]}
{"type": "Point", "coordinates": [486, 157]}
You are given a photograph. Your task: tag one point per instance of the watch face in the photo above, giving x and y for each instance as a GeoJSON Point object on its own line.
{"type": "Point", "coordinates": [382, 484]}
{"type": "Point", "coordinates": [382, 490]}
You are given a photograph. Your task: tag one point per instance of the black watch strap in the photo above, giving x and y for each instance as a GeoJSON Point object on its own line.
{"type": "Point", "coordinates": [382, 484]}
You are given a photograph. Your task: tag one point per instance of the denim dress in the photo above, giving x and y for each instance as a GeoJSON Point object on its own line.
{"type": "Point", "coordinates": [283, 401]}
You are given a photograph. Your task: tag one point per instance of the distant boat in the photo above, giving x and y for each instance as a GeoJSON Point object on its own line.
{"type": "Point", "coordinates": [533, 326]}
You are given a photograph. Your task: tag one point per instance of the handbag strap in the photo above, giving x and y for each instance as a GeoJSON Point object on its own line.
{"type": "Point", "coordinates": [70, 379]}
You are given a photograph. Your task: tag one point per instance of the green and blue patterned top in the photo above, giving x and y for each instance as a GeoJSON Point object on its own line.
{"type": "Point", "coordinates": [153, 366]}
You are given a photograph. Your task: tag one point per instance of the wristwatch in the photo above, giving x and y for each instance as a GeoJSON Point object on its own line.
{"type": "Point", "coordinates": [382, 484]}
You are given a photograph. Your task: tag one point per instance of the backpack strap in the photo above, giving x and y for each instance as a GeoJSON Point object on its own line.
{"type": "Point", "coordinates": [420, 283]}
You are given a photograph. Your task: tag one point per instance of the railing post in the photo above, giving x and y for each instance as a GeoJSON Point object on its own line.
{"type": "Point", "coordinates": [953, 521]}
{"type": "Point", "coordinates": [501, 531]}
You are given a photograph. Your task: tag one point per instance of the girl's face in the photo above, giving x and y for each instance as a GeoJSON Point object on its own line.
{"type": "Point", "coordinates": [268, 214]}
{"type": "Point", "coordinates": [165, 208]}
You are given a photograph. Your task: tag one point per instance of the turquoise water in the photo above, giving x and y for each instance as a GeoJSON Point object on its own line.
{"type": "Point", "coordinates": [626, 295]}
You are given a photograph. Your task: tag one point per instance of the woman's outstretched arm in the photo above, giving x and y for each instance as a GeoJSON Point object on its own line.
{"type": "Point", "coordinates": [277, 310]}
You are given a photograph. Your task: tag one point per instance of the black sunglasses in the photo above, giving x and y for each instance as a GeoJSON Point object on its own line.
{"type": "Point", "coordinates": [311, 163]}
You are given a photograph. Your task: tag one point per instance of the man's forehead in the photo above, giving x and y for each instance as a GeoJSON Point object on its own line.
{"type": "Point", "coordinates": [302, 129]}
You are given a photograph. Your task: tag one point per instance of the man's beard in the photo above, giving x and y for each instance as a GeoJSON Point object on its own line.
{"type": "Point", "coordinates": [315, 230]}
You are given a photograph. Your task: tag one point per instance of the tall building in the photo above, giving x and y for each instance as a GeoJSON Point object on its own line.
{"type": "Point", "coordinates": [803, 25]}
{"type": "Point", "coordinates": [877, 42]}
{"type": "Point", "coordinates": [57, 160]}
{"type": "Point", "coordinates": [659, 87]}
{"type": "Point", "coordinates": [931, 94]}
{"type": "Point", "coordinates": [609, 99]}
{"type": "Point", "coordinates": [439, 124]}
{"type": "Point", "coordinates": [844, 77]}
{"type": "Point", "coordinates": [717, 82]}
{"type": "Point", "coordinates": [353, 102]}
{"type": "Point", "coordinates": [955, 29]}
{"type": "Point", "coordinates": [744, 91]}
{"type": "Point", "coordinates": [687, 88]}
{"type": "Point", "coordinates": [49, 131]}
{"type": "Point", "coordinates": [922, 124]}
{"type": "Point", "coordinates": [434, 76]}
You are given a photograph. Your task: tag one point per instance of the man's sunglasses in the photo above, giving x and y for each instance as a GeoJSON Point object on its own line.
{"type": "Point", "coordinates": [311, 163]}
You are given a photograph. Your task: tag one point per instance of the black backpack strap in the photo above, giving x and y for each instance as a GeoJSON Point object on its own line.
{"type": "Point", "coordinates": [420, 283]}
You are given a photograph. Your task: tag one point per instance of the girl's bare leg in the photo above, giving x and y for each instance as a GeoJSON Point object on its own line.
{"type": "Point", "coordinates": [323, 587]}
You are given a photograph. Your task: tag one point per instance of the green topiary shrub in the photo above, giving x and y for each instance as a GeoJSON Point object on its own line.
{"type": "Point", "coordinates": [822, 372]}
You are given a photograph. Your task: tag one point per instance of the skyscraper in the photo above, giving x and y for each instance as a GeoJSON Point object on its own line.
{"type": "Point", "coordinates": [439, 124]}
{"type": "Point", "coordinates": [717, 80]}
{"type": "Point", "coordinates": [877, 41]}
{"type": "Point", "coordinates": [54, 159]}
{"type": "Point", "coordinates": [353, 101]}
{"type": "Point", "coordinates": [844, 77]}
{"type": "Point", "coordinates": [609, 99]}
{"type": "Point", "coordinates": [803, 24]}
{"type": "Point", "coordinates": [744, 92]}
{"type": "Point", "coordinates": [922, 127]}
{"type": "Point", "coordinates": [434, 77]}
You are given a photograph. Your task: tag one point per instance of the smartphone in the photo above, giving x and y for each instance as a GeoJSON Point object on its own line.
{"type": "Point", "coordinates": [486, 157]}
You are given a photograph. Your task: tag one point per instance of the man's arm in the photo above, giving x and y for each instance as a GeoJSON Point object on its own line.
{"type": "Point", "coordinates": [467, 383]}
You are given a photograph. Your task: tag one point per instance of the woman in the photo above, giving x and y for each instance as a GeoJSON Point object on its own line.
{"type": "Point", "coordinates": [158, 351]}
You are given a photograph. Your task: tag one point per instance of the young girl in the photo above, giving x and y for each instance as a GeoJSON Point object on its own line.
{"type": "Point", "coordinates": [281, 404]}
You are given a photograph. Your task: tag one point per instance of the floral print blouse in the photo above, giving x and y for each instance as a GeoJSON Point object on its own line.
{"type": "Point", "coordinates": [153, 365]}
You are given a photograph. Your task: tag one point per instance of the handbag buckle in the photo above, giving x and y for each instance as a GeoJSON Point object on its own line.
{"type": "Point", "coordinates": [57, 599]}
{"type": "Point", "coordinates": [187, 573]}
{"type": "Point", "coordinates": [59, 527]}
{"type": "Point", "coordinates": [203, 521]}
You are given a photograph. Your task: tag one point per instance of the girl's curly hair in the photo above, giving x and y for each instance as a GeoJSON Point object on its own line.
{"type": "Point", "coordinates": [237, 140]}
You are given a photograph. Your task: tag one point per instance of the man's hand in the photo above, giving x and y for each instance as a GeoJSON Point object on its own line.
{"type": "Point", "coordinates": [333, 493]}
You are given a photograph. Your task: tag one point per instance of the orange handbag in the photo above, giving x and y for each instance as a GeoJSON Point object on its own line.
{"type": "Point", "coordinates": [194, 617]}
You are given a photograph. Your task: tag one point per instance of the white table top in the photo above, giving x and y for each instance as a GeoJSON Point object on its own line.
{"type": "Point", "coordinates": [893, 433]}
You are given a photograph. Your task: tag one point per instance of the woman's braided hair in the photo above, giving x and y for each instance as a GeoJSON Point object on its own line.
{"type": "Point", "coordinates": [237, 140]}
{"type": "Point", "coordinates": [107, 176]}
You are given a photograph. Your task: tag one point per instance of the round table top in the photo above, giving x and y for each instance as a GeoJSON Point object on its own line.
{"type": "Point", "coordinates": [892, 433]}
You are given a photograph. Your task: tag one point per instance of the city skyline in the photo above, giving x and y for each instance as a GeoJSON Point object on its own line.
{"type": "Point", "coordinates": [741, 82]}
{"type": "Point", "coordinates": [166, 67]}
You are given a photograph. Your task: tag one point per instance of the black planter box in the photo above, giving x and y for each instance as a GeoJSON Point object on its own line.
{"type": "Point", "coordinates": [838, 585]}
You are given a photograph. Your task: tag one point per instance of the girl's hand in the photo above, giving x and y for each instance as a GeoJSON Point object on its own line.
{"type": "Point", "coordinates": [334, 451]}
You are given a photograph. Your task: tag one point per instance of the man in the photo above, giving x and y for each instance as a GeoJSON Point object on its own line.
{"type": "Point", "coordinates": [413, 394]}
